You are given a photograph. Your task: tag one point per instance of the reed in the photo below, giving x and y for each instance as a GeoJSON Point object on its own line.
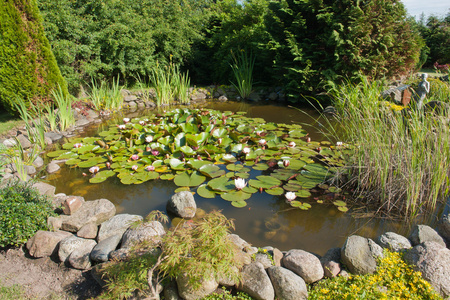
{"type": "Point", "coordinates": [401, 159]}
{"type": "Point", "coordinates": [34, 123]}
{"type": "Point", "coordinates": [106, 97]}
{"type": "Point", "coordinates": [65, 115]}
{"type": "Point", "coordinates": [242, 67]}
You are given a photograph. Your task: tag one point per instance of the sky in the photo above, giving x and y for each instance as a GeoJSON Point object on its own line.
{"type": "Point", "coordinates": [415, 8]}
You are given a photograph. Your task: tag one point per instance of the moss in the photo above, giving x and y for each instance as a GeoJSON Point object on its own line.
{"type": "Point", "coordinates": [28, 68]}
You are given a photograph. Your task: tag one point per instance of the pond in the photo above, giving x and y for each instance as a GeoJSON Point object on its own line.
{"type": "Point", "coordinates": [266, 219]}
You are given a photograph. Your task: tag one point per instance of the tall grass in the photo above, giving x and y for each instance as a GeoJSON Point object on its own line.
{"type": "Point", "coordinates": [65, 115]}
{"type": "Point", "coordinates": [401, 159]}
{"type": "Point", "coordinates": [106, 97]}
{"type": "Point", "coordinates": [242, 67]}
{"type": "Point", "coordinates": [34, 123]}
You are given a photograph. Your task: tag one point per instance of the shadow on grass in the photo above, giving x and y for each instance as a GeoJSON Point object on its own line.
{"type": "Point", "coordinates": [7, 122]}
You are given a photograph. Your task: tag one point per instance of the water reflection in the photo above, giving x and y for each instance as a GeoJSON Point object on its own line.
{"type": "Point", "coordinates": [266, 220]}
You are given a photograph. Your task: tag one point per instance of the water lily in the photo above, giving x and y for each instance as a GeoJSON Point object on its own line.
{"type": "Point", "coordinates": [286, 163]}
{"type": "Point", "coordinates": [149, 139]}
{"type": "Point", "coordinates": [150, 168]}
{"type": "Point", "coordinates": [78, 145]}
{"type": "Point", "coordinates": [142, 123]}
{"type": "Point", "coordinates": [94, 169]}
{"type": "Point", "coordinates": [108, 165]}
{"type": "Point", "coordinates": [290, 196]}
{"type": "Point", "coordinates": [292, 144]}
{"type": "Point", "coordinates": [126, 120]}
{"type": "Point", "coordinates": [155, 152]}
{"type": "Point", "coordinates": [134, 157]}
{"type": "Point", "coordinates": [134, 167]}
{"type": "Point", "coordinates": [308, 139]}
{"type": "Point", "coordinates": [122, 126]}
{"type": "Point", "coordinates": [240, 183]}
{"type": "Point", "coordinates": [259, 132]}
{"type": "Point", "coordinates": [262, 142]}
{"type": "Point", "coordinates": [339, 144]}
{"type": "Point", "coordinates": [228, 156]}
{"type": "Point", "coordinates": [246, 150]}
{"type": "Point", "coordinates": [219, 141]}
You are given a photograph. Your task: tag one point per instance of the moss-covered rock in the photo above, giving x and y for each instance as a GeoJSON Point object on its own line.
{"type": "Point", "coordinates": [28, 68]}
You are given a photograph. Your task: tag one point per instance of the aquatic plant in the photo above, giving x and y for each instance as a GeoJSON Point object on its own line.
{"type": "Point", "coordinates": [210, 151]}
{"type": "Point", "coordinates": [104, 96]}
{"type": "Point", "coordinates": [242, 67]}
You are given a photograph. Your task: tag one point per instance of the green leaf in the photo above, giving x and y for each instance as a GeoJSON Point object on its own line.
{"type": "Point", "coordinates": [239, 204]}
{"type": "Point", "coordinates": [211, 171]}
{"type": "Point", "coordinates": [221, 184]}
{"type": "Point", "coordinates": [206, 192]}
{"type": "Point", "coordinates": [235, 196]}
{"type": "Point", "coordinates": [184, 179]}
{"type": "Point", "coordinates": [275, 191]}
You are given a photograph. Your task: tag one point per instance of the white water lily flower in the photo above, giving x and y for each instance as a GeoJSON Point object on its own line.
{"type": "Point", "coordinates": [149, 139]}
{"type": "Point", "coordinates": [150, 168]}
{"type": "Point", "coordinates": [78, 145]}
{"type": "Point", "coordinates": [121, 127]}
{"type": "Point", "coordinates": [126, 120]}
{"type": "Point", "coordinates": [286, 163]}
{"type": "Point", "coordinates": [94, 169]}
{"type": "Point", "coordinates": [339, 144]}
{"type": "Point", "coordinates": [246, 150]}
{"type": "Point", "coordinates": [292, 144]}
{"type": "Point", "coordinates": [142, 123]}
{"type": "Point", "coordinates": [134, 167]}
{"type": "Point", "coordinates": [262, 142]}
{"type": "Point", "coordinates": [290, 196]}
{"type": "Point", "coordinates": [240, 183]}
{"type": "Point", "coordinates": [228, 156]}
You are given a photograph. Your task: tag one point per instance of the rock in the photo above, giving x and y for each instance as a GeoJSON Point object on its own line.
{"type": "Point", "coordinates": [393, 241]}
{"type": "Point", "coordinates": [304, 264]}
{"type": "Point", "coordinates": [98, 274]}
{"type": "Point", "coordinates": [331, 262]}
{"type": "Point", "coordinates": [24, 141]}
{"type": "Point", "coordinates": [116, 225]}
{"type": "Point", "coordinates": [228, 281]}
{"type": "Point", "coordinates": [44, 188]}
{"type": "Point", "coordinates": [182, 204]}
{"type": "Point", "coordinates": [438, 107]}
{"type": "Point", "coordinates": [79, 258]}
{"type": "Point", "coordinates": [38, 162]}
{"type": "Point", "coordinates": [59, 199]}
{"type": "Point", "coordinates": [81, 122]}
{"type": "Point", "coordinates": [287, 285]}
{"type": "Point", "coordinates": [119, 254]}
{"type": "Point", "coordinates": [149, 231]}
{"type": "Point", "coordinates": [254, 97]}
{"type": "Point", "coordinates": [444, 227]}
{"type": "Point", "coordinates": [88, 231]}
{"type": "Point", "coordinates": [9, 143]}
{"type": "Point", "coordinates": [256, 282]}
{"type": "Point", "coordinates": [132, 105]}
{"type": "Point", "coordinates": [54, 136]}
{"type": "Point", "coordinates": [44, 243]}
{"type": "Point", "coordinates": [72, 204]}
{"type": "Point", "coordinates": [54, 223]}
{"type": "Point", "coordinates": [129, 98]}
{"type": "Point", "coordinates": [52, 168]}
{"type": "Point", "coordinates": [263, 259]}
{"type": "Point", "coordinates": [244, 251]}
{"type": "Point", "coordinates": [171, 291]}
{"type": "Point", "coordinates": [359, 255]}
{"type": "Point", "coordinates": [277, 256]}
{"type": "Point", "coordinates": [424, 233]}
{"type": "Point", "coordinates": [102, 250]}
{"type": "Point", "coordinates": [433, 261]}
{"type": "Point", "coordinates": [31, 170]}
{"type": "Point", "coordinates": [185, 290]}
{"type": "Point", "coordinates": [97, 211]}
{"type": "Point", "coordinates": [68, 245]}
{"type": "Point", "coordinates": [141, 105]}
{"type": "Point", "coordinates": [223, 98]}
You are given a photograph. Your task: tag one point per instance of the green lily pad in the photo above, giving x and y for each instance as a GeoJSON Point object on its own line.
{"type": "Point", "coordinates": [97, 179]}
{"type": "Point", "coordinates": [221, 184]}
{"type": "Point", "coordinates": [275, 191]}
{"type": "Point", "coordinates": [303, 194]}
{"type": "Point", "coordinates": [167, 176]}
{"type": "Point", "coordinates": [342, 208]}
{"type": "Point", "coordinates": [239, 204]}
{"type": "Point", "coordinates": [260, 167]}
{"type": "Point", "coordinates": [339, 203]}
{"type": "Point", "coordinates": [235, 196]}
{"type": "Point", "coordinates": [184, 179]}
{"type": "Point", "coordinates": [211, 171]}
{"type": "Point", "coordinates": [73, 161]}
{"type": "Point", "coordinates": [205, 191]}
{"type": "Point", "coordinates": [56, 153]}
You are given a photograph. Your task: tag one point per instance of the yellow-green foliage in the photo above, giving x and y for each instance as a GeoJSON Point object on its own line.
{"type": "Point", "coordinates": [439, 90]}
{"type": "Point", "coordinates": [28, 67]}
{"type": "Point", "coordinates": [394, 279]}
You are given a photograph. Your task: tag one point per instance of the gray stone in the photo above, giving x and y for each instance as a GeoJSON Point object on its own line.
{"type": "Point", "coordinates": [81, 122]}
{"type": "Point", "coordinates": [256, 282]}
{"type": "Point", "coordinates": [433, 261]}
{"type": "Point", "coordinates": [424, 233]}
{"type": "Point", "coordinates": [129, 98]}
{"type": "Point", "coordinates": [444, 227]}
{"type": "Point", "coordinates": [102, 250]}
{"type": "Point", "coordinates": [121, 254]}
{"type": "Point", "coordinates": [44, 243]}
{"type": "Point", "coordinates": [52, 168]}
{"type": "Point", "coordinates": [254, 97]}
{"type": "Point", "coordinates": [116, 225]}
{"type": "Point", "coordinates": [287, 285]}
{"type": "Point", "coordinates": [359, 255]}
{"type": "Point", "coordinates": [223, 98]}
{"type": "Point", "coordinates": [277, 256]}
{"type": "Point", "coordinates": [263, 259]}
{"type": "Point", "coordinates": [54, 223]}
{"type": "Point", "coordinates": [132, 105]}
{"type": "Point", "coordinates": [182, 204]}
{"type": "Point", "coordinates": [54, 136]}
{"type": "Point", "coordinates": [228, 281]}
{"type": "Point", "coordinates": [88, 231]}
{"type": "Point", "coordinates": [45, 188]}
{"type": "Point", "coordinates": [68, 245]}
{"type": "Point", "coordinates": [331, 262]}
{"type": "Point", "coordinates": [141, 105]}
{"type": "Point", "coordinates": [304, 264]}
{"type": "Point", "coordinates": [244, 250]}
{"type": "Point", "coordinates": [97, 211]}
{"type": "Point", "coordinates": [185, 290]}
{"type": "Point", "coordinates": [393, 241]}
{"type": "Point", "coordinates": [79, 258]}
{"type": "Point", "coordinates": [24, 141]}
{"type": "Point", "coordinates": [31, 170]}
{"type": "Point", "coordinates": [72, 204]}
{"type": "Point", "coordinates": [9, 143]}
{"type": "Point", "coordinates": [171, 291]}
{"type": "Point", "coordinates": [149, 231]}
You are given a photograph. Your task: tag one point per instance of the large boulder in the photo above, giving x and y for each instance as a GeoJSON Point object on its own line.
{"type": "Point", "coordinates": [287, 285]}
{"type": "Point", "coordinates": [102, 250]}
{"type": "Point", "coordinates": [97, 211]}
{"type": "Point", "coordinates": [359, 255]}
{"type": "Point", "coordinates": [116, 225]}
{"type": "Point", "coordinates": [72, 204]}
{"type": "Point", "coordinates": [424, 233]}
{"type": "Point", "coordinates": [187, 292]}
{"type": "Point", "coordinates": [44, 243]}
{"type": "Point", "coordinates": [149, 231]}
{"type": "Point", "coordinates": [182, 204]}
{"type": "Point", "coordinates": [304, 264]}
{"type": "Point", "coordinates": [244, 250]}
{"type": "Point", "coordinates": [79, 258]}
{"type": "Point", "coordinates": [444, 227]}
{"type": "Point", "coordinates": [433, 261]}
{"type": "Point", "coordinates": [393, 241]}
{"type": "Point", "coordinates": [44, 188]}
{"type": "Point", "coordinates": [70, 244]}
{"type": "Point", "coordinates": [256, 282]}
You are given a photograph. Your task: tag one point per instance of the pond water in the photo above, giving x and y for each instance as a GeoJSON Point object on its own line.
{"type": "Point", "coordinates": [267, 219]}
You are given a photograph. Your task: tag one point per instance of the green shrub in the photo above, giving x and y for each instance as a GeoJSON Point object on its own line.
{"type": "Point", "coordinates": [23, 211]}
{"type": "Point", "coordinates": [394, 279]}
{"type": "Point", "coordinates": [28, 68]}
{"type": "Point", "coordinates": [227, 295]}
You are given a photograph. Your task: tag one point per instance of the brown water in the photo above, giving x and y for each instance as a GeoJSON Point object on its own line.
{"type": "Point", "coordinates": [266, 220]}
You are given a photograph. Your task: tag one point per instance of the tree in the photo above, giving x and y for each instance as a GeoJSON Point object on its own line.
{"type": "Point", "coordinates": [436, 32]}
{"type": "Point", "coordinates": [28, 67]}
{"type": "Point", "coordinates": [320, 41]}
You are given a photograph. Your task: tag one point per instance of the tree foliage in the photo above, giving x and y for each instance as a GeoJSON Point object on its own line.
{"type": "Point", "coordinates": [321, 41]}
{"type": "Point", "coordinates": [106, 39]}
{"type": "Point", "coordinates": [28, 69]}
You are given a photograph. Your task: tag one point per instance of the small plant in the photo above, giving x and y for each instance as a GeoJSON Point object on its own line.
{"type": "Point", "coordinates": [19, 157]}
{"type": "Point", "coordinates": [65, 113]}
{"type": "Point", "coordinates": [242, 67]}
{"type": "Point", "coordinates": [35, 127]}
{"type": "Point", "coordinates": [227, 295]}
{"type": "Point", "coordinates": [23, 211]}
{"type": "Point", "coordinates": [394, 279]}
{"type": "Point", "coordinates": [105, 97]}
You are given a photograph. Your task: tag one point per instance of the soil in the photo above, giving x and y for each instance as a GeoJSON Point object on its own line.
{"type": "Point", "coordinates": [44, 278]}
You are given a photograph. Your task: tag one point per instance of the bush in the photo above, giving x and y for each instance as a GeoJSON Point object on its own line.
{"type": "Point", "coordinates": [394, 279]}
{"type": "Point", "coordinates": [23, 211]}
{"type": "Point", "coordinates": [28, 68]}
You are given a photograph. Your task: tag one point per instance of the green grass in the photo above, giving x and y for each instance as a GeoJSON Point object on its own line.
{"type": "Point", "coordinates": [431, 72]}
{"type": "Point", "coordinates": [8, 122]}
{"type": "Point", "coordinates": [14, 292]}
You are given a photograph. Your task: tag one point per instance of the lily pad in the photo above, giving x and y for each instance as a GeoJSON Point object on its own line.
{"type": "Point", "coordinates": [211, 171]}
{"type": "Point", "coordinates": [235, 196]}
{"type": "Point", "coordinates": [239, 204]}
{"type": "Point", "coordinates": [184, 179]}
{"type": "Point", "coordinates": [205, 191]}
